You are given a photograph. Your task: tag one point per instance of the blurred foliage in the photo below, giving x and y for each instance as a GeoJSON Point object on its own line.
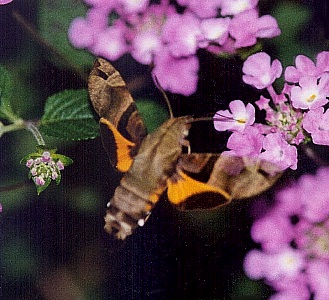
{"type": "Point", "coordinates": [54, 20]}
{"type": "Point", "coordinates": [6, 87]}
{"type": "Point", "coordinates": [292, 20]}
{"type": "Point", "coordinates": [53, 246]}
{"type": "Point", "coordinates": [152, 113]}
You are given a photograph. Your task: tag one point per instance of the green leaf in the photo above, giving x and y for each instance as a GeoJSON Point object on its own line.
{"type": "Point", "coordinates": [68, 116]}
{"type": "Point", "coordinates": [55, 18]}
{"type": "Point", "coordinates": [152, 113]}
{"type": "Point", "coordinates": [64, 159]}
{"type": "Point", "coordinates": [43, 148]}
{"type": "Point", "coordinates": [6, 88]}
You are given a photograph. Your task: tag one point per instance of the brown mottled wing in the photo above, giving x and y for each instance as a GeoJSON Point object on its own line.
{"type": "Point", "coordinates": [122, 129]}
{"type": "Point", "coordinates": [222, 178]}
{"type": "Point", "coordinates": [242, 177]}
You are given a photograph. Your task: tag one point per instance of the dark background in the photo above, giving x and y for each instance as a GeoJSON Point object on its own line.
{"type": "Point", "coordinates": [53, 246]}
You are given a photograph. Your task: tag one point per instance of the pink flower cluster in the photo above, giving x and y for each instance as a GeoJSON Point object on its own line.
{"type": "Point", "coordinates": [294, 240]}
{"type": "Point", "coordinates": [294, 116]}
{"type": "Point", "coordinates": [43, 169]}
{"type": "Point", "coordinates": [158, 34]}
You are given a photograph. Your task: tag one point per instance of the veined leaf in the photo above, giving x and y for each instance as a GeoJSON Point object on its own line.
{"type": "Point", "coordinates": [68, 116]}
{"type": "Point", "coordinates": [6, 88]}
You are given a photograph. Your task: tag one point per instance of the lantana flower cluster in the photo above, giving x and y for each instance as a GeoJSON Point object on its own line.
{"type": "Point", "coordinates": [167, 35]}
{"type": "Point", "coordinates": [294, 116]}
{"type": "Point", "coordinates": [293, 257]}
{"type": "Point", "coordinates": [45, 166]}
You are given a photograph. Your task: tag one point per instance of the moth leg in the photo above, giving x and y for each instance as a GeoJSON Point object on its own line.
{"type": "Point", "coordinates": [141, 222]}
{"type": "Point", "coordinates": [186, 143]}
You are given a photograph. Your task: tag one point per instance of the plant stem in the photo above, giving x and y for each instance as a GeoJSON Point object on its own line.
{"type": "Point", "coordinates": [36, 133]}
{"type": "Point", "coordinates": [17, 125]}
{"type": "Point", "coordinates": [21, 124]}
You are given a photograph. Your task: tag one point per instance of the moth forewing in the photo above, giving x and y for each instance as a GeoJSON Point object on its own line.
{"type": "Point", "coordinates": [114, 104]}
{"type": "Point", "coordinates": [107, 91]}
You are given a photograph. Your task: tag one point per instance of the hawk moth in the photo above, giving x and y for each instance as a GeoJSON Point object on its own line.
{"type": "Point", "coordinates": [153, 163]}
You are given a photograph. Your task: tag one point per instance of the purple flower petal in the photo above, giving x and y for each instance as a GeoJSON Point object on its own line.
{"type": "Point", "coordinates": [234, 7]}
{"type": "Point", "coordinates": [310, 94]}
{"type": "Point", "coordinates": [273, 231]}
{"type": "Point", "coordinates": [306, 67]}
{"type": "Point", "coordinates": [322, 61]}
{"type": "Point", "coordinates": [111, 43]}
{"type": "Point", "coordinates": [183, 82]}
{"type": "Point", "coordinates": [215, 30]}
{"type": "Point", "coordinates": [254, 264]}
{"type": "Point", "coordinates": [246, 27]}
{"type": "Point", "coordinates": [144, 46]}
{"type": "Point", "coordinates": [81, 33]}
{"type": "Point", "coordinates": [208, 9]}
{"type": "Point", "coordinates": [180, 34]}
{"type": "Point", "coordinates": [279, 152]}
{"type": "Point", "coordinates": [318, 274]}
{"type": "Point", "coordinates": [263, 103]}
{"type": "Point", "coordinates": [316, 122]}
{"type": "Point", "coordinates": [134, 6]}
{"type": "Point", "coordinates": [240, 117]}
{"type": "Point", "coordinates": [5, 1]}
{"type": "Point", "coordinates": [259, 71]}
{"type": "Point", "coordinates": [247, 144]}
{"type": "Point", "coordinates": [267, 27]}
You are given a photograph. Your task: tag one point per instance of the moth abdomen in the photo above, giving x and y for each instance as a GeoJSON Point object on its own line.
{"type": "Point", "coordinates": [126, 212]}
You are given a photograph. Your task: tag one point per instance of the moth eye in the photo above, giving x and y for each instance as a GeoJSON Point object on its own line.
{"type": "Point", "coordinates": [108, 204]}
{"type": "Point", "coordinates": [185, 132]}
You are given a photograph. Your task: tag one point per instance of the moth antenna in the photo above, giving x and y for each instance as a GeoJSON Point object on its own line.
{"type": "Point", "coordinates": [164, 96]}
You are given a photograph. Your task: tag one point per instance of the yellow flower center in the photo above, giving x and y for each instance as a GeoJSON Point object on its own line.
{"type": "Point", "coordinates": [242, 121]}
{"type": "Point", "coordinates": [311, 98]}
